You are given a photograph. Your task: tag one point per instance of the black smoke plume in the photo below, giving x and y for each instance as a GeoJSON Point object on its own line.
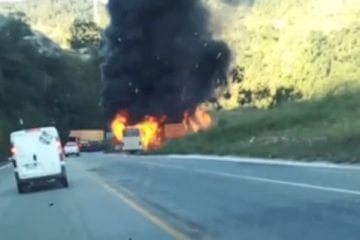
{"type": "Point", "coordinates": [160, 58]}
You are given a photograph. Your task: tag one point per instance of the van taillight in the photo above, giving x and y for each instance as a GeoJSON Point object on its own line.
{"type": "Point", "coordinates": [60, 146]}
{"type": "Point", "coordinates": [12, 151]}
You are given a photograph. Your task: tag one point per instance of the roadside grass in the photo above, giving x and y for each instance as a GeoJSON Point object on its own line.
{"type": "Point", "coordinates": [325, 129]}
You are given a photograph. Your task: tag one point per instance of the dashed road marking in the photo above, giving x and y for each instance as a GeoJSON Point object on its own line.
{"type": "Point", "coordinates": [156, 220]}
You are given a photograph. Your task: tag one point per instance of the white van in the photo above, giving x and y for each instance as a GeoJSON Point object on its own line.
{"type": "Point", "coordinates": [37, 157]}
{"type": "Point", "coordinates": [132, 140]}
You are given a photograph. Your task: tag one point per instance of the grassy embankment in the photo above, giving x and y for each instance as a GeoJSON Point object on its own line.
{"type": "Point", "coordinates": [326, 129]}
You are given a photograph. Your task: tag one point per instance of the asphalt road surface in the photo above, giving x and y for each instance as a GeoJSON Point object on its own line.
{"type": "Point", "coordinates": [121, 197]}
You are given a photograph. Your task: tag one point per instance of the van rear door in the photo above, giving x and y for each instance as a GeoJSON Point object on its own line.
{"type": "Point", "coordinates": [37, 152]}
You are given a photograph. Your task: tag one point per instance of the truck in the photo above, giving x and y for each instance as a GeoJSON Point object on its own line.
{"type": "Point", "coordinates": [88, 139]}
{"type": "Point", "coordinates": [174, 131]}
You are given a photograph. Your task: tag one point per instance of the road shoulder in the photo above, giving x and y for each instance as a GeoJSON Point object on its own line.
{"type": "Point", "coordinates": [4, 164]}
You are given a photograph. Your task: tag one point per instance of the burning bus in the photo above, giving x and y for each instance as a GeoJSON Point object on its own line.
{"type": "Point", "coordinates": [152, 133]}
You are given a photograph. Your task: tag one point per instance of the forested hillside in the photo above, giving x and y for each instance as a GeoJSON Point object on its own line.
{"type": "Point", "coordinates": [55, 17]}
{"type": "Point", "coordinates": [40, 87]}
{"type": "Point", "coordinates": [289, 48]}
{"type": "Point", "coordinates": [282, 49]}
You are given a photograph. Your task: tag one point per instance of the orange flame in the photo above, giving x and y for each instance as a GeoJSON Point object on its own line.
{"type": "Point", "coordinates": [200, 120]}
{"type": "Point", "coordinates": [150, 131]}
{"type": "Point", "coordinates": [118, 125]}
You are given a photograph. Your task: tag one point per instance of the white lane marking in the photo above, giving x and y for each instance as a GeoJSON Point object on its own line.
{"type": "Point", "coordinates": [282, 162]}
{"type": "Point", "coordinates": [5, 166]}
{"type": "Point", "coordinates": [261, 179]}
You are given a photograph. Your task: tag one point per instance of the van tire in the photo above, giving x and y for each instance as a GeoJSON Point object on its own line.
{"type": "Point", "coordinates": [64, 182]}
{"type": "Point", "coordinates": [63, 178]}
{"type": "Point", "coordinates": [20, 188]}
{"type": "Point", "coordinates": [19, 185]}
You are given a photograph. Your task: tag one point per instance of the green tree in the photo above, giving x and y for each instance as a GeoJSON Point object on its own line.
{"type": "Point", "coordinates": [57, 89]}
{"type": "Point", "coordinates": [85, 35]}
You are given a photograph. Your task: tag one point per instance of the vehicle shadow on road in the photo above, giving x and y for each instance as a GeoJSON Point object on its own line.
{"type": "Point", "coordinates": [46, 187]}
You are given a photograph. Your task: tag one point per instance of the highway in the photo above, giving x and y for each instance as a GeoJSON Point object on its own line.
{"type": "Point", "coordinates": [114, 197]}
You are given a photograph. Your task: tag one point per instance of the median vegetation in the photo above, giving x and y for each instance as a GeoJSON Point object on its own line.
{"type": "Point", "coordinates": [325, 129]}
